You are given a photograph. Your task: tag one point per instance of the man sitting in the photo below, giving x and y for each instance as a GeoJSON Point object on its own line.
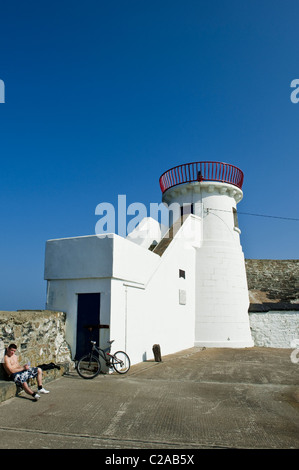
{"type": "Point", "coordinates": [21, 374]}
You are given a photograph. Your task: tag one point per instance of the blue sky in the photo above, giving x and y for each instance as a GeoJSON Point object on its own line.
{"type": "Point", "coordinates": [102, 97]}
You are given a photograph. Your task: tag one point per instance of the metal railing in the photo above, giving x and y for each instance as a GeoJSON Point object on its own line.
{"type": "Point", "coordinates": [201, 171]}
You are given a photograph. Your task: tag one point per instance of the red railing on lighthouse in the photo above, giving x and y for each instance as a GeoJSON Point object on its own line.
{"type": "Point", "coordinates": [201, 171]}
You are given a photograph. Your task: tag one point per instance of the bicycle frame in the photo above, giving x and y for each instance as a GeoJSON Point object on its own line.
{"type": "Point", "coordinates": [102, 352]}
{"type": "Point", "coordinates": [89, 366]}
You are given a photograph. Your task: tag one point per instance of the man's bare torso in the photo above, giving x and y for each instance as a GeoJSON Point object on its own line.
{"type": "Point", "coordinates": [11, 364]}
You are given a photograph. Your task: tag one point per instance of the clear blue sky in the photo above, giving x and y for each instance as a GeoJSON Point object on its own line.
{"type": "Point", "coordinates": [102, 97]}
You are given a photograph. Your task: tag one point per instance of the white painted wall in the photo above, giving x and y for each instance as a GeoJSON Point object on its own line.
{"type": "Point", "coordinates": [142, 316]}
{"type": "Point", "coordinates": [143, 299]}
{"type": "Point", "coordinates": [79, 257]}
{"type": "Point", "coordinates": [276, 329]}
{"type": "Point", "coordinates": [132, 262]}
{"type": "Point", "coordinates": [147, 232]}
{"type": "Point", "coordinates": [221, 293]}
{"type": "Point", "coordinates": [221, 299]}
{"type": "Point", "coordinates": [63, 295]}
{"type": "Point", "coordinates": [139, 289]}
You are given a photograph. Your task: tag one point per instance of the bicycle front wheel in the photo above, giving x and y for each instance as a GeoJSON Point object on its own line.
{"type": "Point", "coordinates": [121, 362]}
{"type": "Point", "coordinates": [88, 366]}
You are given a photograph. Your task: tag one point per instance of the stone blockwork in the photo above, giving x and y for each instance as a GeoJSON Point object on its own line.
{"type": "Point", "coordinates": [273, 284]}
{"type": "Point", "coordinates": [39, 335]}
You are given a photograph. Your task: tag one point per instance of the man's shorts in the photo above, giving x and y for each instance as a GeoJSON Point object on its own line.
{"type": "Point", "coordinates": [20, 377]}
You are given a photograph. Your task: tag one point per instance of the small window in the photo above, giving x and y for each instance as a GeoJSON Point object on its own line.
{"type": "Point", "coordinates": [236, 224]}
{"type": "Point", "coordinates": [182, 273]}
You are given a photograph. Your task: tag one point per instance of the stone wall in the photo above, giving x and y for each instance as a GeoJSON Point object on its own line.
{"type": "Point", "coordinates": [274, 301]}
{"type": "Point", "coordinates": [278, 278]}
{"type": "Point", "coordinates": [39, 336]}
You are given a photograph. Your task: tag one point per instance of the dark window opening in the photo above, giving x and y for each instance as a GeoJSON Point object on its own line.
{"type": "Point", "coordinates": [182, 273]}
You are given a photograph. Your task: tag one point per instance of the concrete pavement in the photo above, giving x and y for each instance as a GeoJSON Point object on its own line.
{"type": "Point", "coordinates": [194, 399]}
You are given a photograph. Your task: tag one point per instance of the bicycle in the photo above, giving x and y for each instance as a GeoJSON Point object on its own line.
{"type": "Point", "coordinates": [89, 366]}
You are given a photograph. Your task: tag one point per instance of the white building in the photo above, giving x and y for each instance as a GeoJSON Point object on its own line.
{"type": "Point", "coordinates": [183, 288]}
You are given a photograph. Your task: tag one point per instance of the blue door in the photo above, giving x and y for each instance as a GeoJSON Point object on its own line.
{"type": "Point", "coordinates": [88, 322]}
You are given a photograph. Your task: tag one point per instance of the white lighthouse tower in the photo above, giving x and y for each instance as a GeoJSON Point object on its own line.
{"type": "Point", "coordinates": [211, 191]}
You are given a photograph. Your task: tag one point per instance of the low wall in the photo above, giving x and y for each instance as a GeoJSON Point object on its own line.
{"type": "Point", "coordinates": [277, 329]}
{"type": "Point", "coordinates": [274, 301]}
{"type": "Point", "coordinates": [39, 336]}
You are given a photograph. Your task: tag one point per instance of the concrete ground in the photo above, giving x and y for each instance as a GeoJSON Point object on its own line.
{"type": "Point", "coordinates": [195, 399]}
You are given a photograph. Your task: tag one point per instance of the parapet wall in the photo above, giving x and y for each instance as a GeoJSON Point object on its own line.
{"type": "Point", "coordinates": [39, 336]}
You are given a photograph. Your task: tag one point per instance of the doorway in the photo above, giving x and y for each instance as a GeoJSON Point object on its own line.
{"type": "Point", "coordinates": [187, 209]}
{"type": "Point", "coordinates": [88, 322]}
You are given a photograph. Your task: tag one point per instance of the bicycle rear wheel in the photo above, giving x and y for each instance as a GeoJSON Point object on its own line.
{"type": "Point", "coordinates": [88, 366]}
{"type": "Point", "coordinates": [121, 362]}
